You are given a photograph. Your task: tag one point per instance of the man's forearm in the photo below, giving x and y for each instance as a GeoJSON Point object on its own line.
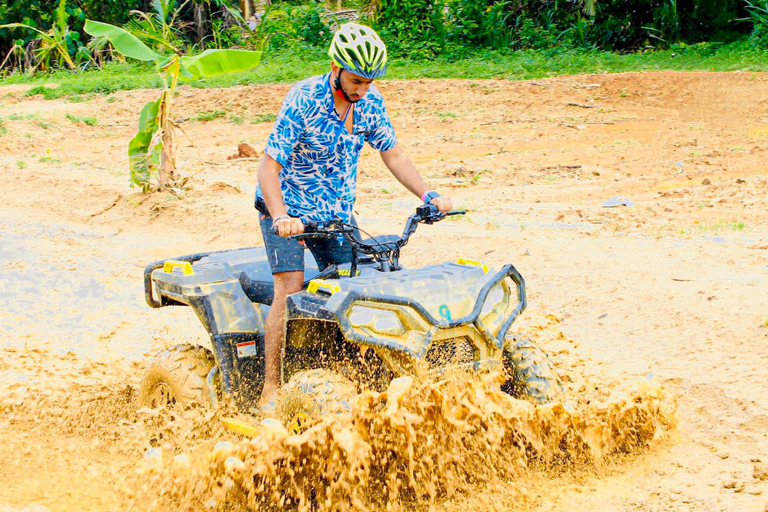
{"type": "Point", "coordinates": [267, 175]}
{"type": "Point", "coordinates": [403, 170]}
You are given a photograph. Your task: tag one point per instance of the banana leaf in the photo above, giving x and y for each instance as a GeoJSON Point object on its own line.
{"type": "Point", "coordinates": [216, 62]}
{"type": "Point", "coordinates": [123, 41]}
{"type": "Point", "coordinates": [144, 149]}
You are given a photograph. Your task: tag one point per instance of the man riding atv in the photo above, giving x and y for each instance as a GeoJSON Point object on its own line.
{"type": "Point", "coordinates": [348, 317]}
{"type": "Point", "coordinates": [309, 171]}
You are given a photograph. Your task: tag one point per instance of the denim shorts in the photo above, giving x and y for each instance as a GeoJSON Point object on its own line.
{"type": "Point", "coordinates": [286, 255]}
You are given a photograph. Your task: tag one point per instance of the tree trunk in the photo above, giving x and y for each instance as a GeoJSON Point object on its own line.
{"type": "Point", "coordinates": [246, 9]}
{"type": "Point", "coordinates": [199, 23]}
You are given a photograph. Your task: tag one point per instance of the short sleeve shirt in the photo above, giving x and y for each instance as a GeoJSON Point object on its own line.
{"type": "Point", "coordinates": [319, 156]}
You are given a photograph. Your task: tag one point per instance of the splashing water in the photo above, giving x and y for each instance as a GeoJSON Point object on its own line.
{"type": "Point", "coordinates": [415, 445]}
{"type": "Point", "coordinates": [419, 442]}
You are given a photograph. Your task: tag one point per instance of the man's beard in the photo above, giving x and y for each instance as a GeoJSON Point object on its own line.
{"type": "Point", "coordinates": [339, 87]}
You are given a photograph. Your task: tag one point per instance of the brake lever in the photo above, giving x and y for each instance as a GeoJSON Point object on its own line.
{"type": "Point", "coordinates": [434, 215]}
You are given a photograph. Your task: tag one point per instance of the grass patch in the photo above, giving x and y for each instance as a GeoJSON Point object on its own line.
{"type": "Point", "coordinates": [90, 121]}
{"type": "Point", "coordinates": [209, 115]}
{"type": "Point", "coordinates": [80, 98]}
{"type": "Point", "coordinates": [264, 118]}
{"type": "Point", "coordinates": [722, 225]}
{"type": "Point", "coordinates": [295, 64]}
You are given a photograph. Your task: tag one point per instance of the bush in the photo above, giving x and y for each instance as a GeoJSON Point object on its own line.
{"type": "Point", "coordinates": [480, 22]}
{"type": "Point", "coordinates": [287, 25]}
{"type": "Point", "coordinates": [758, 16]}
{"type": "Point", "coordinates": [527, 35]}
{"type": "Point", "coordinates": [414, 28]}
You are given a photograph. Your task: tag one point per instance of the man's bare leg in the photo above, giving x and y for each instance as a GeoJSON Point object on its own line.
{"type": "Point", "coordinates": [286, 283]}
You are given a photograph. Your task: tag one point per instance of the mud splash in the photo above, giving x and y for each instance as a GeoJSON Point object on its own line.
{"type": "Point", "coordinates": [414, 445]}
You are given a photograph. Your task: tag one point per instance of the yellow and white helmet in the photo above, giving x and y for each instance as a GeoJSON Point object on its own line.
{"type": "Point", "coordinates": [359, 50]}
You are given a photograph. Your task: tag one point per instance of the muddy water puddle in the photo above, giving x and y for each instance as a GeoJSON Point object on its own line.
{"type": "Point", "coordinates": [65, 291]}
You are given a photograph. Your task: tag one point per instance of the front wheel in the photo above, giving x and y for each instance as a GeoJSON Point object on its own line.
{"type": "Point", "coordinates": [310, 394]}
{"type": "Point", "coordinates": [177, 377]}
{"type": "Point", "coordinates": [530, 373]}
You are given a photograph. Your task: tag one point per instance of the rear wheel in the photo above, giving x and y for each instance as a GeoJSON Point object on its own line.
{"type": "Point", "coordinates": [177, 377]}
{"type": "Point", "coordinates": [310, 394]}
{"type": "Point", "coordinates": [530, 373]}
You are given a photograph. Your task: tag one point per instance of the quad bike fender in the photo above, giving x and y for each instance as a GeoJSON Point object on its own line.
{"type": "Point", "coordinates": [234, 323]}
{"type": "Point", "coordinates": [212, 290]}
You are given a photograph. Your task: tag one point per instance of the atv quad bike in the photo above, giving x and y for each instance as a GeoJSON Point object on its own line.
{"type": "Point", "coordinates": [356, 325]}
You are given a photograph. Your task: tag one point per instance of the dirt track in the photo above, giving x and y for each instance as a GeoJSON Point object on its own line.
{"type": "Point", "coordinates": [676, 285]}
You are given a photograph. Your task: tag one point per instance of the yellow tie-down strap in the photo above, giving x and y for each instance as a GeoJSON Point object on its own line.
{"type": "Point", "coordinates": [319, 284]}
{"type": "Point", "coordinates": [473, 263]}
{"type": "Point", "coordinates": [185, 267]}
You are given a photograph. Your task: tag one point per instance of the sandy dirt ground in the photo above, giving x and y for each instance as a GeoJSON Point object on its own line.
{"type": "Point", "coordinates": [675, 285]}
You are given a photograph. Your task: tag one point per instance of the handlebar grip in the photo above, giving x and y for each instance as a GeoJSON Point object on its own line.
{"type": "Point", "coordinates": [309, 227]}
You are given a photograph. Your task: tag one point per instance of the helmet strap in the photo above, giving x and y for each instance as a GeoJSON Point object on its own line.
{"type": "Point", "coordinates": [339, 88]}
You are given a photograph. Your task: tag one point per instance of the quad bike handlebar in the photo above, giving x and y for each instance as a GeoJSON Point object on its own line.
{"type": "Point", "coordinates": [383, 249]}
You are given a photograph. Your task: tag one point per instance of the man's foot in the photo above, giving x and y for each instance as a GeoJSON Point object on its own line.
{"type": "Point", "coordinates": [267, 401]}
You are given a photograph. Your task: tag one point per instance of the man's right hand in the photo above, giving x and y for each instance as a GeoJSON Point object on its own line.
{"type": "Point", "coordinates": [289, 226]}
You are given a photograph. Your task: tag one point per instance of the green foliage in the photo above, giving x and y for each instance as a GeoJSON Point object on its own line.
{"type": "Point", "coordinates": [116, 76]}
{"type": "Point", "coordinates": [480, 22]}
{"type": "Point", "coordinates": [115, 13]}
{"type": "Point", "coordinates": [125, 42]}
{"type": "Point", "coordinates": [158, 29]}
{"type": "Point", "coordinates": [210, 115]}
{"type": "Point", "coordinates": [143, 150]}
{"type": "Point", "coordinates": [294, 64]}
{"type": "Point", "coordinates": [155, 137]}
{"type": "Point", "coordinates": [90, 121]}
{"type": "Point", "coordinates": [411, 27]}
{"type": "Point", "coordinates": [58, 45]}
{"type": "Point", "coordinates": [216, 62]}
{"type": "Point", "coordinates": [286, 25]}
{"type": "Point", "coordinates": [416, 29]}
{"type": "Point", "coordinates": [758, 16]}
{"type": "Point", "coordinates": [263, 118]}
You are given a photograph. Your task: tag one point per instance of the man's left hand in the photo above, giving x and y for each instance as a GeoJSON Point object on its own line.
{"type": "Point", "coordinates": [443, 203]}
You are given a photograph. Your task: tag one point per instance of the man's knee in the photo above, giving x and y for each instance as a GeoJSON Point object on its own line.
{"type": "Point", "coordinates": [287, 283]}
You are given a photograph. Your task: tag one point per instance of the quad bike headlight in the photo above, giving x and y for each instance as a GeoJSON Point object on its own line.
{"type": "Point", "coordinates": [381, 321]}
{"type": "Point", "coordinates": [493, 299]}
{"type": "Point", "coordinates": [495, 307]}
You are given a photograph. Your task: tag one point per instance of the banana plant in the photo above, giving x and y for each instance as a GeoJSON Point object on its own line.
{"type": "Point", "coordinates": [150, 152]}
{"type": "Point", "coordinates": [54, 43]}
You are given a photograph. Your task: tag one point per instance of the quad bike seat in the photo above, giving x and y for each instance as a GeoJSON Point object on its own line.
{"type": "Point", "coordinates": [251, 267]}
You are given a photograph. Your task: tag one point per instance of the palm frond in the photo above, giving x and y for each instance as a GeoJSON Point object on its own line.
{"type": "Point", "coordinates": [62, 15]}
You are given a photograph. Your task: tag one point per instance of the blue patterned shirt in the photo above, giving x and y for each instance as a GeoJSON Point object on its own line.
{"type": "Point", "coordinates": [319, 156]}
